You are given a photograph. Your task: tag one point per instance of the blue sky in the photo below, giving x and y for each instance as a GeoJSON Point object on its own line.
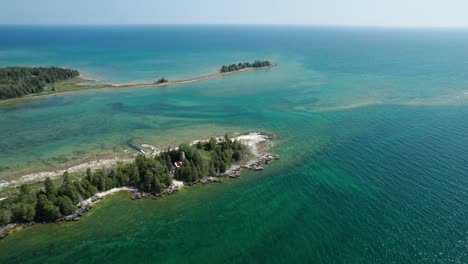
{"type": "Point", "coordinates": [389, 13]}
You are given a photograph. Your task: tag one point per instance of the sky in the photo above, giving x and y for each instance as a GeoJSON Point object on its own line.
{"type": "Point", "coordinates": [388, 13]}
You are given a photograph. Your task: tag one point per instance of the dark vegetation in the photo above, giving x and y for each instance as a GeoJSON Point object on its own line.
{"type": "Point", "coordinates": [148, 174]}
{"type": "Point", "coordinates": [245, 65]}
{"type": "Point", "coordinates": [161, 81]}
{"type": "Point", "coordinates": [20, 81]}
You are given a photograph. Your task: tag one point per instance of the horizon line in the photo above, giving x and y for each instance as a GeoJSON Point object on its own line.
{"type": "Point", "coordinates": [245, 24]}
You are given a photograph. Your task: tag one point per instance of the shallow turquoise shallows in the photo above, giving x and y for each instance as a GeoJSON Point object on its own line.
{"type": "Point", "coordinates": [373, 127]}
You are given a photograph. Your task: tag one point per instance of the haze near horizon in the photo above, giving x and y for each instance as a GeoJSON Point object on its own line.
{"type": "Point", "coordinates": [398, 13]}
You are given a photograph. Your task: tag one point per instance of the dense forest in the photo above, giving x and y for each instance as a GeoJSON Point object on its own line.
{"type": "Point", "coordinates": [20, 81]}
{"type": "Point", "coordinates": [149, 174]}
{"type": "Point", "coordinates": [245, 65]}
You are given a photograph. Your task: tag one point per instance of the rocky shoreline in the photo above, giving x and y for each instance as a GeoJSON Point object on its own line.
{"type": "Point", "coordinates": [86, 205]}
{"type": "Point", "coordinates": [253, 165]}
{"type": "Point", "coordinates": [256, 141]}
{"type": "Point", "coordinates": [261, 159]}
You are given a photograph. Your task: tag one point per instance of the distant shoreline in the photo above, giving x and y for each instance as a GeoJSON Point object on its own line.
{"type": "Point", "coordinates": [83, 79]}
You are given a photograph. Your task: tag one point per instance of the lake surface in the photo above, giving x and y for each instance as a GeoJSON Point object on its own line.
{"type": "Point", "coordinates": [373, 141]}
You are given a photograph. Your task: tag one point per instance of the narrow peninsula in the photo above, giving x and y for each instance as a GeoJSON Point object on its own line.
{"type": "Point", "coordinates": [28, 82]}
{"type": "Point", "coordinates": [68, 197]}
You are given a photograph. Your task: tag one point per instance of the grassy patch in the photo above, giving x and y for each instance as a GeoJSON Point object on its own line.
{"type": "Point", "coordinates": [73, 85]}
{"type": "Point", "coordinates": [206, 155]}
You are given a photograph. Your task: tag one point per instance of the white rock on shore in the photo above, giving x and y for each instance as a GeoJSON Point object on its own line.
{"type": "Point", "coordinates": [101, 195]}
{"type": "Point", "coordinates": [251, 140]}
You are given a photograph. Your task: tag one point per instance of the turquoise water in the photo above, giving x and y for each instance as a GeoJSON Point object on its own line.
{"type": "Point", "coordinates": [373, 145]}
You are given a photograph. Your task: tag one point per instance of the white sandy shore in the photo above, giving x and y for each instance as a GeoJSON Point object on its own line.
{"type": "Point", "coordinates": [39, 176]}
{"type": "Point", "coordinates": [251, 140]}
{"type": "Point", "coordinates": [190, 80]}
{"type": "Point", "coordinates": [86, 78]}
{"type": "Point", "coordinates": [98, 196]}
{"type": "Point", "coordinates": [101, 195]}
{"type": "Point", "coordinates": [177, 183]}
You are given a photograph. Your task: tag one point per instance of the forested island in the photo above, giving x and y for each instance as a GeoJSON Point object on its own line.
{"type": "Point", "coordinates": [20, 81]}
{"type": "Point", "coordinates": [245, 65]}
{"type": "Point", "coordinates": [65, 198]}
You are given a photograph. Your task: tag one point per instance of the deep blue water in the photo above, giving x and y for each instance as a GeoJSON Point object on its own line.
{"type": "Point", "coordinates": [373, 142]}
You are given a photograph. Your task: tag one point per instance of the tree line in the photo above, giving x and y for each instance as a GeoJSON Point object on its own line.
{"type": "Point", "coordinates": [245, 65]}
{"type": "Point", "coordinates": [20, 81]}
{"type": "Point", "coordinates": [148, 174]}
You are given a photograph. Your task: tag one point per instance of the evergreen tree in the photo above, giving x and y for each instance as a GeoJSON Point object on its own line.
{"type": "Point", "coordinates": [236, 156]}
{"type": "Point", "coordinates": [25, 189]}
{"type": "Point", "coordinates": [45, 209]}
{"type": "Point", "coordinates": [65, 205]}
{"type": "Point", "coordinates": [148, 174]}
{"type": "Point", "coordinates": [89, 175]}
{"type": "Point", "coordinates": [23, 212]}
{"type": "Point", "coordinates": [5, 216]}
{"type": "Point", "coordinates": [69, 189]}
{"type": "Point", "coordinates": [50, 189]}
{"type": "Point", "coordinates": [19, 81]}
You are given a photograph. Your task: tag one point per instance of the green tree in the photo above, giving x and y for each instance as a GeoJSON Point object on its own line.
{"type": "Point", "coordinates": [19, 81]}
{"type": "Point", "coordinates": [211, 144]}
{"type": "Point", "coordinates": [23, 212]}
{"type": "Point", "coordinates": [167, 178]}
{"type": "Point", "coordinates": [236, 156]}
{"type": "Point", "coordinates": [26, 194]}
{"type": "Point", "coordinates": [199, 145]}
{"type": "Point", "coordinates": [69, 190]}
{"type": "Point", "coordinates": [51, 190]}
{"type": "Point", "coordinates": [135, 175]}
{"type": "Point", "coordinates": [156, 185]}
{"type": "Point", "coordinates": [89, 175]}
{"type": "Point", "coordinates": [45, 209]}
{"type": "Point", "coordinates": [25, 189]}
{"type": "Point", "coordinates": [66, 178]}
{"type": "Point", "coordinates": [147, 184]}
{"type": "Point", "coordinates": [65, 205]}
{"type": "Point", "coordinates": [5, 216]}
{"type": "Point", "coordinates": [185, 172]}
{"type": "Point", "coordinates": [81, 191]}
{"type": "Point", "coordinates": [222, 167]}
{"type": "Point", "coordinates": [123, 178]}
{"type": "Point", "coordinates": [89, 189]}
